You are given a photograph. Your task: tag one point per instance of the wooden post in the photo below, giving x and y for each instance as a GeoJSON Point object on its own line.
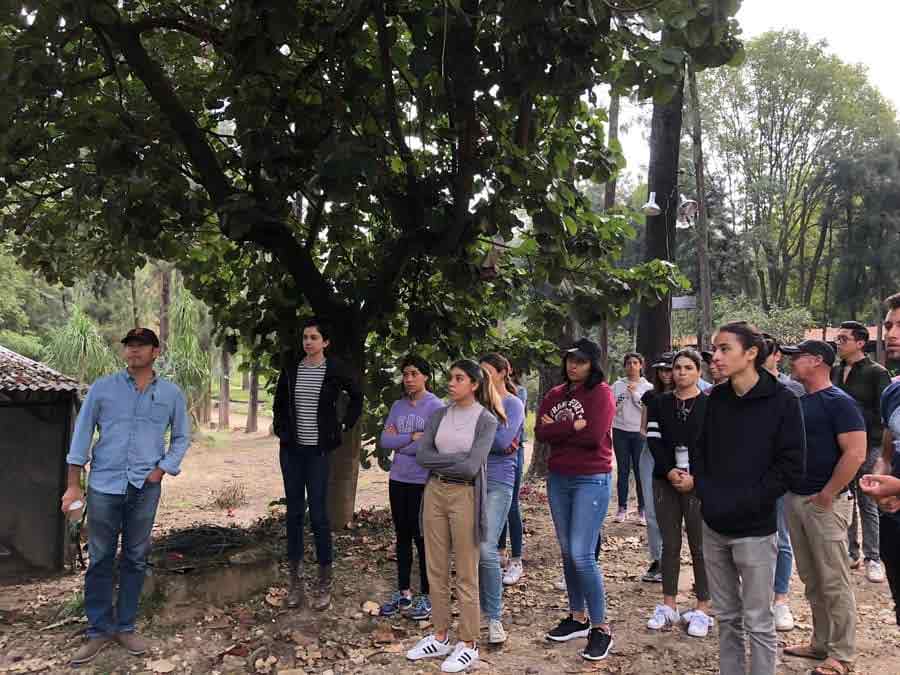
{"type": "Point", "coordinates": [253, 411]}
{"type": "Point", "coordinates": [704, 324]}
{"type": "Point", "coordinates": [225, 390]}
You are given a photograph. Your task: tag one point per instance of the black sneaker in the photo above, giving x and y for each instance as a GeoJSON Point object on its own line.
{"type": "Point", "coordinates": [569, 629]}
{"type": "Point", "coordinates": [598, 646]}
{"type": "Point", "coordinates": [653, 574]}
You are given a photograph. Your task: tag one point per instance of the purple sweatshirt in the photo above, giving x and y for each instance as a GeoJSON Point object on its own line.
{"type": "Point", "coordinates": [501, 466]}
{"type": "Point", "coordinates": [406, 419]}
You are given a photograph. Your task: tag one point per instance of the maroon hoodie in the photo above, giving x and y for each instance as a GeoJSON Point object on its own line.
{"type": "Point", "coordinates": [585, 452]}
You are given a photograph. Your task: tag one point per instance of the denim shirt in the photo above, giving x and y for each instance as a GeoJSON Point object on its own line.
{"type": "Point", "coordinates": [132, 427]}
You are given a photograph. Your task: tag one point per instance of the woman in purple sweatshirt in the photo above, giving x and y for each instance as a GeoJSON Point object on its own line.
{"type": "Point", "coordinates": [501, 478]}
{"type": "Point", "coordinates": [402, 431]}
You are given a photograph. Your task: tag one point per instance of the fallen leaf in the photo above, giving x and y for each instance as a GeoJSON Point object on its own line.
{"type": "Point", "coordinates": [161, 666]}
{"type": "Point", "coordinates": [371, 608]}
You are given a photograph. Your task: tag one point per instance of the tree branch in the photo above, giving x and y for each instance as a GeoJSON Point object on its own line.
{"type": "Point", "coordinates": [238, 221]}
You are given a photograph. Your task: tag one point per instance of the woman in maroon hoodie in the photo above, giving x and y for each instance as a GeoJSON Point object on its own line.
{"type": "Point", "coordinates": [575, 418]}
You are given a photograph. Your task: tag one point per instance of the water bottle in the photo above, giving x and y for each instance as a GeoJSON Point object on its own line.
{"type": "Point", "coordinates": [682, 458]}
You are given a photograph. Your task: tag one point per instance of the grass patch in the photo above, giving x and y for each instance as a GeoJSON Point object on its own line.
{"type": "Point", "coordinates": [229, 496]}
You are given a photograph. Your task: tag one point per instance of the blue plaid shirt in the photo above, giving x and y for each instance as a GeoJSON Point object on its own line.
{"type": "Point", "coordinates": [132, 426]}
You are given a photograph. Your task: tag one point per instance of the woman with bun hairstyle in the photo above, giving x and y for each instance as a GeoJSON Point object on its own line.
{"type": "Point", "coordinates": [576, 418]}
{"type": "Point", "coordinates": [501, 479]}
{"type": "Point", "coordinates": [454, 449]}
{"type": "Point", "coordinates": [402, 430]}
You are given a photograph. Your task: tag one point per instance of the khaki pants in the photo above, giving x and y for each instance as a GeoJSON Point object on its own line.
{"type": "Point", "coordinates": [448, 518]}
{"type": "Point", "coordinates": [819, 538]}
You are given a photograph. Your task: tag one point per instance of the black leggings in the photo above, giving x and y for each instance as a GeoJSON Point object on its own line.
{"type": "Point", "coordinates": [406, 502]}
{"type": "Point", "coordinates": [890, 556]}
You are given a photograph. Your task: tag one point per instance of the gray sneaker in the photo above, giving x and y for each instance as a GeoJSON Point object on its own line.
{"type": "Point", "coordinates": [90, 649]}
{"type": "Point", "coordinates": [496, 634]}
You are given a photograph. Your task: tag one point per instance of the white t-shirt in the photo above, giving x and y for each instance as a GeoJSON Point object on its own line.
{"type": "Point", "coordinates": [628, 404]}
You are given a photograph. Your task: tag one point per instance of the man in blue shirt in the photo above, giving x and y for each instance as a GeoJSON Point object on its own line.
{"type": "Point", "coordinates": [820, 505]}
{"type": "Point", "coordinates": [132, 410]}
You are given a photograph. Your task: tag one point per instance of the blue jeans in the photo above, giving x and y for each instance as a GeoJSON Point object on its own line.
{"type": "Point", "coordinates": [132, 516]}
{"type": "Point", "coordinates": [490, 579]}
{"type": "Point", "coordinates": [654, 539]}
{"type": "Point", "coordinates": [628, 445]}
{"type": "Point", "coordinates": [578, 505]}
{"type": "Point", "coordinates": [305, 472]}
{"type": "Point", "coordinates": [514, 521]}
{"type": "Point", "coordinates": [785, 553]}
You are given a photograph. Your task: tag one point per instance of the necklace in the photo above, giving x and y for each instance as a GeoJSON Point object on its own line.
{"type": "Point", "coordinates": [683, 410]}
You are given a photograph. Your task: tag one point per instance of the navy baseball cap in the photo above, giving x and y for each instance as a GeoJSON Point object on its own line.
{"type": "Point", "coordinates": [811, 347]}
{"type": "Point", "coordinates": [143, 336]}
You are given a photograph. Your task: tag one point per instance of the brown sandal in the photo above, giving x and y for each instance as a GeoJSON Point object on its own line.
{"type": "Point", "coordinates": [832, 667]}
{"type": "Point", "coordinates": [804, 652]}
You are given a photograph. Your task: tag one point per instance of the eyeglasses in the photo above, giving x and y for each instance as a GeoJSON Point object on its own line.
{"type": "Point", "coordinates": [842, 339]}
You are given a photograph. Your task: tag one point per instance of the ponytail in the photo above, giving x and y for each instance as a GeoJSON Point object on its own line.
{"type": "Point", "coordinates": [501, 364]}
{"type": "Point", "coordinates": [486, 394]}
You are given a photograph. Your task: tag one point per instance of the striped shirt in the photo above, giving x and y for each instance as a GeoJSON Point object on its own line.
{"type": "Point", "coordinates": [306, 398]}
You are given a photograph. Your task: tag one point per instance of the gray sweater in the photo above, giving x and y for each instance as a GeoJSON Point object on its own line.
{"type": "Point", "coordinates": [464, 465]}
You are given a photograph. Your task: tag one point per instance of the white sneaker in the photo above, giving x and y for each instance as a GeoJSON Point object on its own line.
{"type": "Point", "coordinates": [698, 624]}
{"type": "Point", "coordinates": [560, 584]}
{"type": "Point", "coordinates": [784, 620]}
{"type": "Point", "coordinates": [496, 634]}
{"type": "Point", "coordinates": [513, 573]}
{"type": "Point", "coordinates": [663, 616]}
{"type": "Point", "coordinates": [461, 659]}
{"type": "Point", "coordinates": [429, 647]}
{"type": "Point", "coordinates": [621, 514]}
{"type": "Point", "coordinates": [874, 571]}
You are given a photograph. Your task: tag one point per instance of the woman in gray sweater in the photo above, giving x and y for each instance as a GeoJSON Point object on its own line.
{"type": "Point", "coordinates": [454, 448]}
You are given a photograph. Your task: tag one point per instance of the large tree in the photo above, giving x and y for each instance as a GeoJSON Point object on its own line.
{"type": "Point", "coordinates": [348, 159]}
{"type": "Point", "coordinates": [778, 126]}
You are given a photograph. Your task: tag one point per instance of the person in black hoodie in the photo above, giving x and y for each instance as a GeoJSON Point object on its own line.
{"type": "Point", "coordinates": [750, 452]}
{"type": "Point", "coordinates": [309, 426]}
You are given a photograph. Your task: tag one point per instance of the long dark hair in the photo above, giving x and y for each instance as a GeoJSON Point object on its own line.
{"type": "Point", "coordinates": [749, 336]}
{"type": "Point", "coordinates": [486, 394]}
{"type": "Point", "coordinates": [501, 364]}
{"type": "Point", "coordinates": [658, 385]}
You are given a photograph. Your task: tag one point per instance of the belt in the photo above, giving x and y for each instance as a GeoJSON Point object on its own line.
{"type": "Point", "coordinates": [452, 481]}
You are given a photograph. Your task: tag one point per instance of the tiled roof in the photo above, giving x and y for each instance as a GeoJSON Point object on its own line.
{"type": "Point", "coordinates": [18, 373]}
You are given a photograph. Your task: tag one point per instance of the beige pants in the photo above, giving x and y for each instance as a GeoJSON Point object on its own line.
{"type": "Point", "coordinates": [448, 518]}
{"type": "Point", "coordinates": [819, 538]}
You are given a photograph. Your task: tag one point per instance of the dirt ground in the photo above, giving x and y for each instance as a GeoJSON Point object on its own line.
{"type": "Point", "coordinates": [258, 635]}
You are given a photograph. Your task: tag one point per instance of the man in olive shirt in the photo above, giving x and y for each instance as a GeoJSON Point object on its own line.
{"type": "Point", "coordinates": [864, 380]}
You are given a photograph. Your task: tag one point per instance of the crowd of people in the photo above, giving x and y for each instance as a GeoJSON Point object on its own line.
{"type": "Point", "coordinates": [761, 470]}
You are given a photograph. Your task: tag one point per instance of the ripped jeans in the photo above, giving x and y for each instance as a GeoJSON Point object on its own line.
{"type": "Point", "coordinates": [578, 505]}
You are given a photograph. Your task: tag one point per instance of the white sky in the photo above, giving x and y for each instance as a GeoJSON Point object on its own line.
{"type": "Point", "coordinates": [862, 31]}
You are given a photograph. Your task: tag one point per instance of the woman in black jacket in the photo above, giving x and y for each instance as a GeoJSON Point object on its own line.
{"type": "Point", "coordinates": [309, 426]}
{"type": "Point", "coordinates": [674, 422]}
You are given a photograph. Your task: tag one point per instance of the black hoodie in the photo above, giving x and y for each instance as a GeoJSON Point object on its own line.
{"type": "Point", "coordinates": [751, 451]}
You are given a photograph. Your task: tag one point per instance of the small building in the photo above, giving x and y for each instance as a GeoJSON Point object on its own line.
{"type": "Point", "coordinates": [37, 414]}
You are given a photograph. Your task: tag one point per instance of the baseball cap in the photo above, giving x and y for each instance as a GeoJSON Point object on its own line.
{"type": "Point", "coordinates": [664, 360]}
{"type": "Point", "coordinates": [811, 347]}
{"type": "Point", "coordinates": [584, 349]}
{"type": "Point", "coordinates": [143, 336]}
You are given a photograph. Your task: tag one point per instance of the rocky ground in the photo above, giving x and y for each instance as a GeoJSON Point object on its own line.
{"type": "Point", "coordinates": [41, 622]}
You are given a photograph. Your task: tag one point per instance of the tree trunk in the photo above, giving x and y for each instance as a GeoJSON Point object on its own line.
{"type": "Point", "coordinates": [549, 377]}
{"type": "Point", "coordinates": [225, 390]}
{"type": "Point", "coordinates": [245, 380]}
{"type": "Point", "coordinates": [253, 408]}
{"type": "Point", "coordinates": [345, 459]}
{"type": "Point", "coordinates": [135, 314]}
{"type": "Point", "coordinates": [655, 322]}
{"type": "Point", "coordinates": [704, 327]}
{"type": "Point", "coordinates": [165, 298]}
{"type": "Point", "coordinates": [610, 192]}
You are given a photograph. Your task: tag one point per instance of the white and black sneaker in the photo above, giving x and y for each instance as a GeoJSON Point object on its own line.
{"type": "Point", "coordinates": [598, 646]}
{"type": "Point", "coordinates": [461, 659]}
{"type": "Point", "coordinates": [429, 647]}
{"type": "Point", "coordinates": [569, 629]}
